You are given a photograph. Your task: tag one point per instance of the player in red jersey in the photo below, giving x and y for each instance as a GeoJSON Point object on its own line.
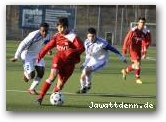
{"type": "Point", "coordinates": [136, 42]}
{"type": "Point", "coordinates": [69, 48]}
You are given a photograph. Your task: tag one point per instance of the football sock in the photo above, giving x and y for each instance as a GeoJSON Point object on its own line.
{"type": "Point", "coordinates": [35, 83]}
{"type": "Point", "coordinates": [44, 89]}
{"type": "Point", "coordinates": [88, 80]}
{"type": "Point", "coordinates": [129, 68]}
{"type": "Point", "coordinates": [137, 73]}
{"type": "Point", "coordinates": [83, 83]}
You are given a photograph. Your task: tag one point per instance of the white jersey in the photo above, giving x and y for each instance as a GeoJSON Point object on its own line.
{"type": "Point", "coordinates": [96, 51]}
{"type": "Point", "coordinates": [31, 45]}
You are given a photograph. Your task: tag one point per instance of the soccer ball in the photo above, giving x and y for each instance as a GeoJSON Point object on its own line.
{"type": "Point", "coordinates": [56, 98]}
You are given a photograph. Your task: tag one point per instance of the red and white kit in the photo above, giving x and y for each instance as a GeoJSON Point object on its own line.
{"type": "Point", "coordinates": [136, 42]}
{"type": "Point", "coordinates": [69, 47]}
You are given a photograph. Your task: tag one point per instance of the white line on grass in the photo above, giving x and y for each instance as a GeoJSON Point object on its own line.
{"type": "Point", "coordinates": [37, 91]}
{"type": "Point", "coordinates": [150, 58]}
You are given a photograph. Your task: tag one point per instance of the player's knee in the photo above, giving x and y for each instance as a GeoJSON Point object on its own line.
{"type": "Point", "coordinates": [83, 77]}
{"type": "Point", "coordinates": [32, 75]}
{"type": "Point", "coordinates": [40, 74]}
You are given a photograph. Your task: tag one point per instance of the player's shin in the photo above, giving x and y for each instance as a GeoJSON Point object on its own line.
{"type": "Point", "coordinates": [137, 73]}
{"type": "Point", "coordinates": [45, 88]}
{"type": "Point", "coordinates": [130, 68]}
{"type": "Point", "coordinates": [88, 81]}
{"type": "Point", "coordinates": [35, 83]}
{"type": "Point", "coordinates": [26, 75]}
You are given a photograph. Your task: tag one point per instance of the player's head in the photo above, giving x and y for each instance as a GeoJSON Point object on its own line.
{"type": "Point", "coordinates": [141, 22]}
{"type": "Point", "coordinates": [91, 34]}
{"type": "Point", "coordinates": [62, 24]}
{"type": "Point", "coordinates": [44, 29]}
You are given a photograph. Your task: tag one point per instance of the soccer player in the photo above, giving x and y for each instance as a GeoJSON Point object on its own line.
{"type": "Point", "coordinates": [28, 50]}
{"type": "Point", "coordinates": [97, 57]}
{"type": "Point", "coordinates": [69, 48]}
{"type": "Point", "coordinates": [136, 42]}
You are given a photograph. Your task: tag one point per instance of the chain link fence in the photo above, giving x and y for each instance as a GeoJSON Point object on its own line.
{"type": "Point", "coordinates": [107, 19]}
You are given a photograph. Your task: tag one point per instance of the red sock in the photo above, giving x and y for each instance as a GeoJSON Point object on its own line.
{"type": "Point", "coordinates": [137, 73]}
{"type": "Point", "coordinates": [129, 69]}
{"type": "Point", "coordinates": [44, 89]}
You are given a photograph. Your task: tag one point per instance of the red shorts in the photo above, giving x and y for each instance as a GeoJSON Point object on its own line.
{"type": "Point", "coordinates": [135, 55]}
{"type": "Point", "coordinates": [65, 68]}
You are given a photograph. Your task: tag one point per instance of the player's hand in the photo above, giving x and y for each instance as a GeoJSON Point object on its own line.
{"type": "Point", "coordinates": [49, 52]}
{"type": "Point", "coordinates": [123, 58]}
{"type": "Point", "coordinates": [13, 59]}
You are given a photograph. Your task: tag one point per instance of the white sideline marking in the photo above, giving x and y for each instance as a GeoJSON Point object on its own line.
{"type": "Point", "coordinates": [37, 91]}
{"type": "Point", "coordinates": [150, 58]}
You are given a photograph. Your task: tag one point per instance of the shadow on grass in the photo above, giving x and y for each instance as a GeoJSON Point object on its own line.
{"type": "Point", "coordinates": [112, 95]}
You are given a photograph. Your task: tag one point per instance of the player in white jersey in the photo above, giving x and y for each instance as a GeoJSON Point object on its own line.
{"type": "Point", "coordinates": [28, 50]}
{"type": "Point", "coordinates": [97, 57]}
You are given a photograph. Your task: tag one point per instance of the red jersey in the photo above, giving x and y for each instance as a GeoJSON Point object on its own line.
{"type": "Point", "coordinates": [136, 39]}
{"type": "Point", "coordinates": [68, 46]}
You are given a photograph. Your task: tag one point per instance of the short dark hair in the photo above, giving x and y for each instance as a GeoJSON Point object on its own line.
{"type": "Point", "coordinates": [63, 21]}
{"type": "Point", "coordinates": [142, 18]}
{"type": "Point", "coordinates": [46, 25]}
{"type": "Point", "coordinates": [91, 30]}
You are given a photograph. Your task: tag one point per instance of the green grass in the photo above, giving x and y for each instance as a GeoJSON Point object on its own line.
{"type": "Point", "coordinates": [107, 86]}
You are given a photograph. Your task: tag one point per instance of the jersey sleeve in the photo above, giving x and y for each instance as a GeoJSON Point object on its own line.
{"type": "Point", "coordinates": [79, 45]}
{"type": "Point", "coordinates": [126, 42]}
{"type": "Point", "coordinates": [148, 39]}
{"type": "Point", "coordinates": [25, 43]}
{"type": "Point", "coordinates": [87, 57]}
{"type": "Point", "coordinates": [107, 46]}
{"type": "Point", "coordinates": [51, 44]}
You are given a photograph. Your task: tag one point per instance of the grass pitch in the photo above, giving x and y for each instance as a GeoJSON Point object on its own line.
{"type": "Point", "coordinates": [109, 91]}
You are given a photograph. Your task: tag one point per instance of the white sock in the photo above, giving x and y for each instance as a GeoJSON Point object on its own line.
{"type": "Point", "coordinates": [88, 80]}
{"type": "Point", "coordinates": [83, 83]}
{"type": "Point", "coordinates": [35, 83]}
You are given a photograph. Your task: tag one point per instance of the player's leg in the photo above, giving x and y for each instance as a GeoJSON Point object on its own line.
{"type": "Point", "coordinates": [40, 68]}
{"type": "Point", "coordinates": [130, 67]}
{"type": "Point", "coordinates": [63, 76]}
{"type": "Point", "coordinates": [46, 85]}
{"type": "Point", "coordinates": [83, 82]}
{"type": "Point", "coordinates": [88, 81]}
{"type": "Point", "coordinates": [37, 79]}
{"type": "Point", "coordinates": [29, 71]}
{"type": "Point", "coordinates": [57, 63]}
{"type": "Point", "coordinates": [86, 75]}
{"type": "Point", "coordinates": [137, 64]}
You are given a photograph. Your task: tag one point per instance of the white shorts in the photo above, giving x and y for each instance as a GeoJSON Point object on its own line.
{"type": "Point", "coordinates": [29, 65]}
{"type": "Point", "coordinates": [96, 65]}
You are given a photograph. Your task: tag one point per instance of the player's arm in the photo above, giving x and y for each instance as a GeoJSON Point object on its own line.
{"type": "Point", "coordinates": [114, 50]}
{"type": "Point", "coordinates": [27, 41]}
{"type": "Point", "coordinates": [127, 42]}
{"type": "Point", "coordinates": [51, 44]}
{"type": "Point", "coordinates": [87, 57]}
{"type": "Point", "coordinates": [145, 44]}
{"type": "Point", "coordinates": [46, 40]}
{"type": "Point", "coordinates": [79, 45]}
{"type": "Point", "coordinates": [148, 39]}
